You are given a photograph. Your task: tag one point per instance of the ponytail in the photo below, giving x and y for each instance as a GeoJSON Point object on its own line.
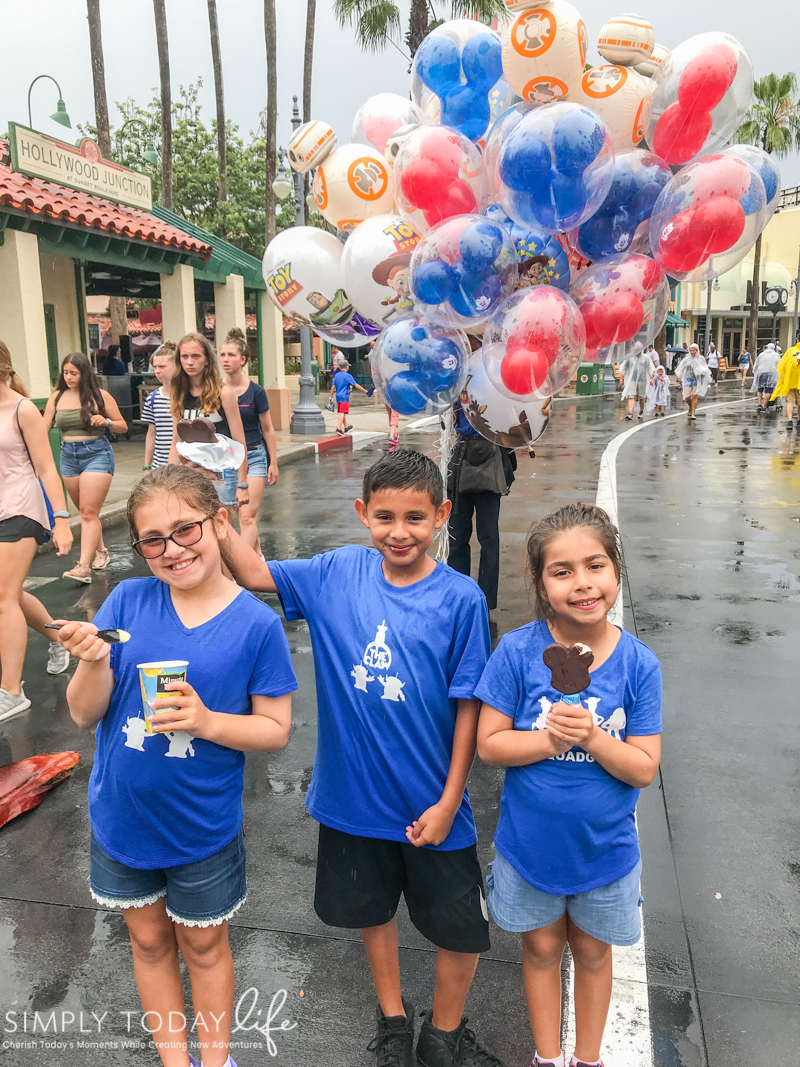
{"type": "Point", "coordinates": [7, 372]}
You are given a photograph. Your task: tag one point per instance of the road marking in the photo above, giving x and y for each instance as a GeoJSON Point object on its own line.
{"type": "Point", "coordinates": [36, 583]}
{"type": "Point", "coordinates": [627, 1041]}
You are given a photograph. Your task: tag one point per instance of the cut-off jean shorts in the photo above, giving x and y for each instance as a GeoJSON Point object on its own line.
{"type": "Point", "coordinates": [205, 893]}
{"type": "Point", "coordinates": [257, 462]}
{"type": "Point", "coordinates": [612, 913]}
{"type": "Point", "coordinates": [82, 457]}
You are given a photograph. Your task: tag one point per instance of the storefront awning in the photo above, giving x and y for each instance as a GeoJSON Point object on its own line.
{"type": "Point", "coordinates": [675, 320]}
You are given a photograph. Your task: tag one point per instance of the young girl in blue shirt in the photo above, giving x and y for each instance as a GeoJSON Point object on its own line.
{"type": "Point", "coordinates": [567, 863]}
{"type": "Point", "coordinates": [167, 845]}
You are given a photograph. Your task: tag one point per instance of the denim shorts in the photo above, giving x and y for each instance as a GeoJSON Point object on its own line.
{"type": "Point", "coordinates": [257, 462]}
{"type": "Point", "coordinates": [611, 913]}
{"type": "Point", "coordinates": [225, 483]}
{"type": "Point", "coordinates": [82, 457]}
{"type": "Point", "coordinates": [205, 893]}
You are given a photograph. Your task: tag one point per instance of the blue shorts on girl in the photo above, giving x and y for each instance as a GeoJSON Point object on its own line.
{"type": "Point", "coordinates": [567, 827]}
{"type": "Point", "coordinates": [166, 809]}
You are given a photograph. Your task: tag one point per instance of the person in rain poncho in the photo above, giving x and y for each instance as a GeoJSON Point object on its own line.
{"type": "Point", "coordinates": [694, 376]}
{"type": "Point", "coordinates": [789, 381]}
{"type": "Point", "coordinates": [636, 371]}
{"type": "Point", "coordinates": [658, 393]}
{"type": "Point", "coordinates": [765, 375]}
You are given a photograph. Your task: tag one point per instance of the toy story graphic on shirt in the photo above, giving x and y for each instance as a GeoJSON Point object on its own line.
{"type": "Point", "coordinates": [614, 725]}
{"type": "Point", "coordinates": [378, 657]}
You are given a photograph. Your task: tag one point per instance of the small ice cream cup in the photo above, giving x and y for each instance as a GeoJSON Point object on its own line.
{"type": "Point", "coordinates": [153, 677]}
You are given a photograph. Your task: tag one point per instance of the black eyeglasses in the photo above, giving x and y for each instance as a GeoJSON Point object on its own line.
{"type": "Point", "coordinates": [188, 534]}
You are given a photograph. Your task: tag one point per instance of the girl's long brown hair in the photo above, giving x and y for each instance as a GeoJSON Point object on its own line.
{"type": "Point", "coordinates": [188, 484]}
{"type": "Point", "coordinates": [7, 372]}
{"type": "Point", "coordinates": [211, 393]}
{"type": "Point", "coordinates": [91, 398]}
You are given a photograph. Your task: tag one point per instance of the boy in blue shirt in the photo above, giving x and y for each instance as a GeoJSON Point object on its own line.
{"type": "Point", "coordinates": [343, 382]}
{"type": "Point", "coordinates": [397, 727]}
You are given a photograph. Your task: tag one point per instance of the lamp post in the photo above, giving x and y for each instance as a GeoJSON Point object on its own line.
{"type": "Point", "coordinates": [149, 155]}
{"type": "Point", "coordinates": [707, 339]}
{"type": "Point", "coordinates": [306, 417]}
{"type": "Point", "coordinates": [796, 286]}
{"type": "Point", "coordinates": [60, 114]}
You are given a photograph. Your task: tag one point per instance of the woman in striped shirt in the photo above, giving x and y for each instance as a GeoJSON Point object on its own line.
{"type": "Point", "coordinates": [156, 410]}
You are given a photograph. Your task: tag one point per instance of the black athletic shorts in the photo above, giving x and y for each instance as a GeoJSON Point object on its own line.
{"type": "Point", "coordinates": [20, 526]}
{"type": "Point", "coordinates": [360, 880]}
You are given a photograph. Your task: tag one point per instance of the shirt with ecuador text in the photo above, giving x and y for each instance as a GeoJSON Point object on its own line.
{"type": "Point", "coordinates": [162, 800]}
{"type": "Point", "coordinates": [391, 663]}
{"type": "Point", "coordinates": [566, 824]}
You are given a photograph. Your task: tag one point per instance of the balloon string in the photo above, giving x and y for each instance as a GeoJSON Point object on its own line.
{"type": "Point", "coordinates": [447, 440]}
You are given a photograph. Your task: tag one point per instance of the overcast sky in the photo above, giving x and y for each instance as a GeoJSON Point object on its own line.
{"type": "Point", "coordinates": [51, 36]}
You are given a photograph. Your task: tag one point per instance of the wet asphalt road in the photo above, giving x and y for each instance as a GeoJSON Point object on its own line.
{"type": "Point", "coordinates": [708, 513]}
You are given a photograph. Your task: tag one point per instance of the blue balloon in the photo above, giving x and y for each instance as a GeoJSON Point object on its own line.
{"type": "Point", "coordinates": [532, 247]}
{"type": "Point", "coordinates": [443, 366]}
{"type": "Point", "coordinates": [569, 198]}
{"type": "Point", "coordinates": [769, 177]}
{"type": "Point", "coordinates": [461, 81]}
{"type": "Point", "coordinates": [433, 282]}
{"type": "Point", "coordinates": [404, 394]}
{"type": "Point", "coordinates": [479, 246]}
{"type": "Point", "coordinates": [401, 343]}
{"type": "Point", "coordinates": [482, 61]}
{"type": "Point", "coordinates": [439, 64]}
{"type": "Point", "coordinates": [524, 163]}
{"type": "Point", "coordinates": [578, 137]}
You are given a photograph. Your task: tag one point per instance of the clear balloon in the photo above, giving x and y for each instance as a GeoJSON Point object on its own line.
{"type": "Point", "coordinates": [501, 420]}
{"type": "Point", "coordinates": [533, 343]}
{"type": "Point", "coordinates": [623, 302]}
{"type": "Point", "coordinates": [544, 51]}
{"type": "Point", "coordinates": [708, 217]}
{"type": "Point", "coordinates": [700, 95]}
{"type": "Point", "coordinates": [502, 127]}
{"type": "Point", "coordinates": [541, 259]}
{"type": "Point", "coordinates": [353, 183]}
{"type": "Point", "coordinates": [438, 174]}
{"type": "Point", "coordinates": [381, 116]}
{"type": "Point", "coordinates": [617, 95]}
{"type": "Point", "coordinates": [621, 223]}
{"type": "Point", "coordinates": [377, 265]}
{"type": "Point", "coordinates": [419, 368]}
{"type": "Point", "coordinates": [459, 62]}
{"type": "Point", "coordinates": [555, 168]}
{"type": "Point", "coordinates": [396, 142]}
{"type": "Point", "coordinates": [462, 269]}
{"type": "Point", "coordinates": [303, 272]}
{"type": "Point", "coordinates": [768, 172]}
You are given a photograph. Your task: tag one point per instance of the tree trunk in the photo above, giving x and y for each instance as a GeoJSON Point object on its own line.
{"type": "Point", "coordinates": [118, 312]}
{"type": "Point", "coordinates": [270, 37]}
{"type": "Point", "coordinates": [308, 63]}
{"type": "Point", "coordinates": [417, 25]}
{"type": "Point", "coordinates": [166, 102]}
{"type": "Point", "coordinates": [755, 300]}
{"type": "Point", "coordinates": [222, 147]}
{"type": "Point", "coordinates": [99, 78]}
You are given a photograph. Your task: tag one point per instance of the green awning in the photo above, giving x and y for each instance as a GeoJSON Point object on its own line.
{"type": "Point", "coordinates": [225, 258]}
{"type": "Point", "coordinates": [672, 318]}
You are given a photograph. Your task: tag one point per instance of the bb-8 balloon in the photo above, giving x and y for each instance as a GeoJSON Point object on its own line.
{"type": "Point", "coordinates": [544, 52]}
{"type": "Point", "coordinates": [617, 95]}
{"type": "Point", "coordinates": [648, 67]}
{"type": "Point", "coordinates": [626, 39]}
{"type": "Point", "coordinates": [309, 145]}
{"type": "Point", "coordinates": [515, 6]}
{"type": "Point", "coordinates": [352, 184]}
{"type": "Point", "coordinates": [395, 142]}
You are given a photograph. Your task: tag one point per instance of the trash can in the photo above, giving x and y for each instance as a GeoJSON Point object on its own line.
{"type": "Point", "coordinates": [590, 379]}
{"type": "Point", "coordinates": [55, 439]}
{"type": "Point", "coordinates": [315, 372]}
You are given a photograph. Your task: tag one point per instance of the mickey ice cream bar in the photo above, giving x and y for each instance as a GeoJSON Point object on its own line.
{"type": "Point", "coordinates": [197, 431]}
{"type": "Point", "coordinates": [569, 667]}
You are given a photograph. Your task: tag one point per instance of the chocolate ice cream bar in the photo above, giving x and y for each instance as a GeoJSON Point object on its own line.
{"type": "Point", "coordinates": [569, 669]}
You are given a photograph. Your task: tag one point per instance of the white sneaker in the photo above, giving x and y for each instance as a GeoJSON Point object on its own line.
{"type": "Point", "coordinates": [12, 705]}
{"type": "Point", "coordinates": [57, 658]}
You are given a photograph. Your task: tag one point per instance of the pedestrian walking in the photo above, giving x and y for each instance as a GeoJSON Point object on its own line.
{"type": "Point", "coordinates": [197, 389]}
{"type": "Point", "coordinates": [84, 413]}
{"type": "Point", "coordinates": [28, 473]}
{"type": "Point", "coordinates": [567, 862]}
{"type": "Point", "coordinates": [744, 363]}
{"type": "Point", "coordinates": [157, 408]}
{"type": "Point", "coordinates": [789, 382]}
{"type": "Point", "coordinates": [765, 376]}
{"type": "Point", "coordinates": [394, 428]}
{"type": "Point", "coordinates": [694, 378]}
{"type": "Point", "coordinates": [343, 382]}
{"type": "Point", "coordinates": [479, 475]}
{"type": "Point", "coordinates": [397, 661]}
{"type": "Point", "coordinates": [636, 371]}
{"type": "Point", "coordinates": [654, 356]}
{"type": "Point", "coordinates": [259, 433]}
{"type": "Point", "coordinates": [659, 391]}
{"type": "Point", "coordinates": [113, 367]}
{"type": "Point", "coordinates": [712, 359]}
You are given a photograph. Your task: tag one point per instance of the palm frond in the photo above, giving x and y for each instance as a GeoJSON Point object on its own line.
{"type": "Point", "coordinates": [773, 118]}
{"type": "Point", "coordinates": [484, 9]}
{"type": "Point", "coordinates": [375, 21]}
{"type": "Point", "coordinates": [748, 133]}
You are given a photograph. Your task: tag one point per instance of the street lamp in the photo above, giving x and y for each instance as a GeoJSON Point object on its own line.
{"type": "Point", "coordinates": [149, 155]}
{"type": "Point", "coordinates": [282, 185]}
{"type": "Point", "coordinates": [707, 285]}
{"type": "Point", "coordinates": [306, 417]}
{"type": "Point", "coordinates": [60, 114]}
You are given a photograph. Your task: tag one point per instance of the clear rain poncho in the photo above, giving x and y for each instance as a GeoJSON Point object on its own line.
{"type": "Point", "coordinates": [636, 371]}
{"type": "Point", "coordinates": [694, 368]}
{"type": "Point", "coordinates": [765, 370]}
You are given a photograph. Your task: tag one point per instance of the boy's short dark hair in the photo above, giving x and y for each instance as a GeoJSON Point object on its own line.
{"type": "Point", "coordinates": [405, 469]}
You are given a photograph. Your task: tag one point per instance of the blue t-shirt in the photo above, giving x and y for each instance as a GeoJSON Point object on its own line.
{"type": "Point", "coordinates": [343, 381]}
{"type": "Point", "coordinates": [463, 425]}
{"type": "Point", "coordinates": [391, 663]}
{"type": "Point", "coordinates": [566, 824]}
{"type": "Point", "coordinates": [150, 811]}
{"type": "Point", "coordinates": [252, 403]}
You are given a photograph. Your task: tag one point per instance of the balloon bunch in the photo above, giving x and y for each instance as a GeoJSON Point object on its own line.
{"type": "Point", "coordinates": [438, 174]}
{"type": "Point", "coordinates": [419, 368]}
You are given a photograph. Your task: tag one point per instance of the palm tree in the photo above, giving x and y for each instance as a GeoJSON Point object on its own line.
{"type": "Point", "coordinates": [166, 102]}
{"type": "Point", "coordinates": [270, 37]}
{"type": "Point", "coordinates": [378, 21]}
{"type": "Point", "coordinates": [99, 78]}
{"type": "Point", "coordinates": [216, 58]}
{"type": "Point", "coordinates": [772, 123]}
{"type": "Point", "coordinates": [308, 62]}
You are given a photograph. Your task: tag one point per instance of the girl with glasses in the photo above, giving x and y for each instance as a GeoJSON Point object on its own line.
{"type": "Point", "coordinates": [166, 806]}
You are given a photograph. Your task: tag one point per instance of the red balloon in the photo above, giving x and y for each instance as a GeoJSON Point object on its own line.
{"type": "Point", "coordinates": [703, 82]}
{"type": "Point", "coordinates": [524, 369]}
{"type": "Point", "coordinates": [723, 220]}
{"type": "Point", "coordinates": [679, 136]}
{"type": "Point", "coordinates": [720, 176]}
{"type": "Point", "coordinates": [624, 316]}
{"type": "Point", "coordinates": [651, 277]}
{"type": "Point", "coordinates": [677, 245]}
{"type": "Point", "coordinates": [729, 56]}
{"type": "Point", "coordinates": [594, 321]}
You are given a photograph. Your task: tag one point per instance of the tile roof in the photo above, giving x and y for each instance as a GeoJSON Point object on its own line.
{"type": "Point", "coordinates": [35, 196]}
{"type": "Point", "coordinates": [137, 328]}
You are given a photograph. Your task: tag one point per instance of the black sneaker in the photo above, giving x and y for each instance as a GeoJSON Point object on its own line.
{"type": "Point", "coordinates": [393, 1044]}
{"type": "Point", "coordinates": [459, 1048]}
